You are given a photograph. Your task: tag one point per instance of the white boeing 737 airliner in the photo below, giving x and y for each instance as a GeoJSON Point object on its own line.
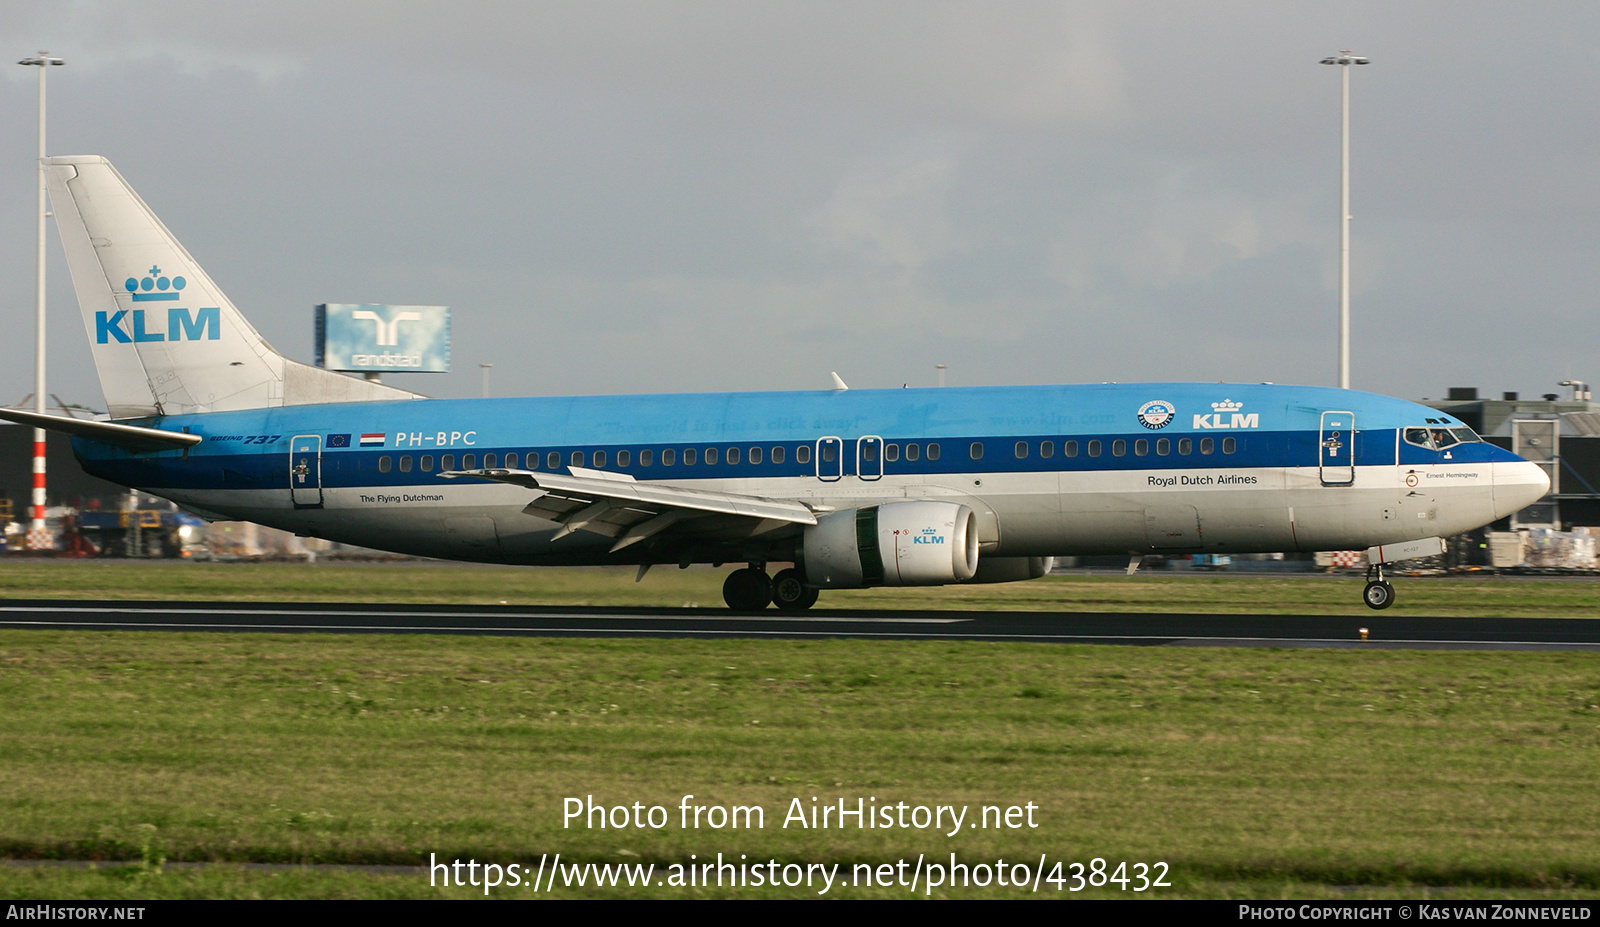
{"type": "Point", "coordinates": [854, 488]}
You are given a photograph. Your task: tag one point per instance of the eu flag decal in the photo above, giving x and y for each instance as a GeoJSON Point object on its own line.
{"type": "Point", "coordinates": [338, 440]}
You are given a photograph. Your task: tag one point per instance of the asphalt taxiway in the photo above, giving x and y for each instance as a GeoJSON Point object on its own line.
{"type": "Point", "coordinates": [1385, 630]}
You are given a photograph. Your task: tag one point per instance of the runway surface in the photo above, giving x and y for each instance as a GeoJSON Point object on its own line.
{"type": "Point", "coordinates": [1385, 630]}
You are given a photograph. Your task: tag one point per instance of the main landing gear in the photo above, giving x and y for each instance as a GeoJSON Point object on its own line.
{"type": "Point", "coordinates": [751, 590]}
{"type": "Point", "coordinates": [1378, 594]}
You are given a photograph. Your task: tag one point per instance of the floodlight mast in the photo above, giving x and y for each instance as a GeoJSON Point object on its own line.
{"type": "Point", "coordinates": [38, 534]}
{"type": "Point", "coordinates": [1344, 59]}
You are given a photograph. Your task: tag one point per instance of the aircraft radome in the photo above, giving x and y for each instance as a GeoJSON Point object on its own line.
{"type": "Point", "coordinates": [855, 488]}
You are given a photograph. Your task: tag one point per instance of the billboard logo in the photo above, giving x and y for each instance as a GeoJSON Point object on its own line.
{"type": "Point", "coordinates": [369, 337]}
{"type": "Point", "coordinates": [388, 333]}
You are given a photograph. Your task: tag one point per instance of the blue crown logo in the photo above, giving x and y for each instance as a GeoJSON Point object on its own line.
{"type": "Point", "coordinates": [154, 286]}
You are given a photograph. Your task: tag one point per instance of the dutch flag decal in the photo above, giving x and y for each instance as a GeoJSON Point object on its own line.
{"type": "Point", "coordinates": [372, 440]}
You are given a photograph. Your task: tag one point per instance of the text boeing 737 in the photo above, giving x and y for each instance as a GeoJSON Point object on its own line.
{"type": "Point", "coordinates": [853, 487]}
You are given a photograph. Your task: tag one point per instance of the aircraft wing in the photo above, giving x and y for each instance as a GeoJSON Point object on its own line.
{"type": "Point", "coordinates": [616, 505]}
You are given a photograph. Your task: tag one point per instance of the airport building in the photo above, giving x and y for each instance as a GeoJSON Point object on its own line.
{"type": "Point", "coordinates": [1561, 435]}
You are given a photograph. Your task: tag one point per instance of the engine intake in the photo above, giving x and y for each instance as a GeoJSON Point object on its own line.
{"type": "Point", "coordinates": [896, 544]}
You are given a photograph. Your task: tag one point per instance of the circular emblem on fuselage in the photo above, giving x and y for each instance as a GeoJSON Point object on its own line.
{"type": "Point", "coordinates": [1157, 414]}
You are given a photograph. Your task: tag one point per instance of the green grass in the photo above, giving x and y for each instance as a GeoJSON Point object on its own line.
{"type": "Point", "coordinates": [1253, 773]}
{"type": "Point", "coordinates": [427, 582]}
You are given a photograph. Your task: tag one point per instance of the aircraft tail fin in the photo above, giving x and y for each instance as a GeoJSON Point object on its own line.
{"type": "Point", "coordinates": [165, 338]}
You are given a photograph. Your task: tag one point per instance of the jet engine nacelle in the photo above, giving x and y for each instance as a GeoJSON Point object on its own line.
{"type": "Point", "coordinates": [1011, 569]}
{"type": "Point", "coordinates": [897, 544]}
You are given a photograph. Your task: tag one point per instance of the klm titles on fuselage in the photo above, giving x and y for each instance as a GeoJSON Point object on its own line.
{"type": "Point", "coordinates": [1226, 414]}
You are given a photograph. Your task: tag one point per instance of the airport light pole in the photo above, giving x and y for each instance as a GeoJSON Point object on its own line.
{"type": "Point", "coordinates": [38, 535]}
{"type": "Point", "coordinates": [1344, 59]}
{"type": "Point", "coordinates": [485, 369]}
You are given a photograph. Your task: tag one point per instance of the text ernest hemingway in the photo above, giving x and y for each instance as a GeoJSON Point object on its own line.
{"type": "Point", "coordinates": [861, 813]}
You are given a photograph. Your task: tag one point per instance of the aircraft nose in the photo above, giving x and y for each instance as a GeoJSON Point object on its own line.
{"type": "Point", "coordinates": [1517, 485]}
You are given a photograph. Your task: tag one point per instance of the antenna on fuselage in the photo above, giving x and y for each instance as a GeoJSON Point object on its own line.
{"type": "Point", "coordinates": [838, 384]}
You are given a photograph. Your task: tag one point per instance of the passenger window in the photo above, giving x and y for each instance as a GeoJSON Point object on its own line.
{"type": "Point", "coordinates": [977, 450]}
{"type": "Point", "coordinates": [1069, 448]}
{"type": "Point", "coordinates": [933, 452]}
{"type": "Point", "coordinates": [489, 461]}
{"type": "Point", "coordinates": [1229, 444]}
{"type": "Point", "coordinates": [755, 455]}
{"type": "Point", "coordinates": [913, 451]}
{"type": "Point", "coordinates": [690, 457]}
{"type": "Point", "coordinates": [669, 457]}
{"type": "Point", "coordinates": [802, 454]}
{"type": "Point", "coordinates": [1047, 449]}
{"type": "Point", "coordinates": [511, 461]}
{"type": "Point", "coordinates": [405, 463]}
{"type": "Point", "coordinates": [447, 462]}
{"type": "Point", "coordinates": [828, 452]}
{"type": "Point", "coordinates": [1185, 446]}
{"type": "Point", "coordinates": [469, 461]}
{"type": "Point", "coordinates": [711, 455]}
{"type": "Point", "coordinates": [1141, 447]}
{"type": "Point", "coordinates": [777, 455]}
{"type": "Point", "coordinates": [733, 455]}
{"type": "Point", "coordinates": [1207, 445]}
{"type": "Point", "coordinates": [599, 458]}
{"type": "Point", "coordinates": [1094, 448]}
{"type": "Point", "coordinates": [1163, 446]}
{"type": "Point", "coordinates": [647, 457]}
{"type": "Point", "coordinates": [385, 463]}
{"type": "Point", "coordinates": [624, 458]}
{"type": "Point", "coordinates": [869, 452]}
{"type": "Point", "coordinates": [576, 459]}
{"type": "Point", "coordinates": [891, 452]}
{"type": "Point", "coordinates": [1119, 448]}
{"type": "Point", "coordinates": [1022, 449]}
{"type": "Point", "coordinates": [552, 460]}
{"type": "Point", "coordinates": [427, 463]}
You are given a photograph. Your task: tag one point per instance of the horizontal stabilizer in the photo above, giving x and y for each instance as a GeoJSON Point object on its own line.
{"type": "Point", "coordinates": [133, 437]}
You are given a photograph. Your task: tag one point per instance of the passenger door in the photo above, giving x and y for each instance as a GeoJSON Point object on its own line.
{"type": "Point", "coordinates": [1336, 449]}
{"type": "Point", "coordinates": [305, 471]}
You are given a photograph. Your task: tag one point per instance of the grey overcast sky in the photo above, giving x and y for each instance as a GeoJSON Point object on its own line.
{"type": "Point", "coordinates": [638, 196]}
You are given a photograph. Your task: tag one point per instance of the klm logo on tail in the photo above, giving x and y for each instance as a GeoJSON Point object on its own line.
{"type": "Point", "coordinates": [182, 324]}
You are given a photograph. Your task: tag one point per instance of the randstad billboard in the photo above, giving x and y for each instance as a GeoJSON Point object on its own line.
{"type": "Point", "coordinates": [373, 338]}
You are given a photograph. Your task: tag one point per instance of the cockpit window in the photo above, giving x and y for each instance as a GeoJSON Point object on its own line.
{"type": "Point", "coordinates": [1421, 437]}
{"type": "Point", "coordinates": [1437, 438]}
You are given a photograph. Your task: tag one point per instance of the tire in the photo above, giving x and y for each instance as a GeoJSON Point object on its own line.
{"type": "Point", "coordinates": [747, 590]}
{"type": "Point", "coordinates": [790, 592]}
{"type": "Point", "coordinates": [1378, 595]}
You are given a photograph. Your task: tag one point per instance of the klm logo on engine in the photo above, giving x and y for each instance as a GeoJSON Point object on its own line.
{"type": "Point", "coordinates": [132, 326]}
{"type": "Point", "coordinates": [1226, 414]}
{"type": "Point", "coordinates": [127, 326]}
{"type": "Point", "coordinates": [928, 536]}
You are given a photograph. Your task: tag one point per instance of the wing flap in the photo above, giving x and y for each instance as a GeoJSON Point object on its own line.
{"type": "Point", "coordinates": [618, 506]}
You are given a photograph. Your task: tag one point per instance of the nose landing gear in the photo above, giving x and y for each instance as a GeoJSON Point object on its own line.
{"type": "Point", "coordinates": [1378, 594]}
